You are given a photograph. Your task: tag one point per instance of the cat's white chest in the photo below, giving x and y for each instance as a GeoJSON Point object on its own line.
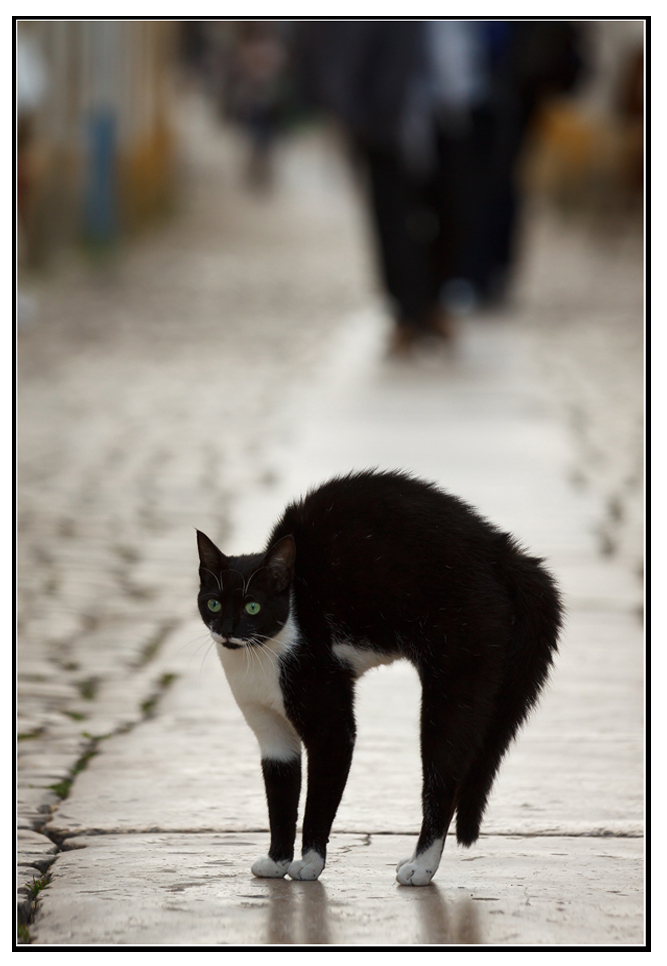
{"type": "Point", "coordinates": [253, 673]}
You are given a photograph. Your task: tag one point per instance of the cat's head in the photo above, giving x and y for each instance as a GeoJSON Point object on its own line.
{"type": "Point", "coordinates": [244, 601]}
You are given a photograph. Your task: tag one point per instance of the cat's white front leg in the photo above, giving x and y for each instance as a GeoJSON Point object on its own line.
{"type": "Point", "coordinates": [420, 869]}
{"type": "Point", "coordinates": [307, 868]}
{"type": "Point", "coordinates": [267, 868]}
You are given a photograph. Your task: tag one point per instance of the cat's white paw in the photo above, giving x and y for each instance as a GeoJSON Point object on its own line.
{"type": "Point", "coordinates": [415, 873]}
{"type": "Point", "coordinates": [307, 868]}
{"type": "Point", "coordinates": [420, 869]}
{"type": "Point", "coordinates": [266, 868]}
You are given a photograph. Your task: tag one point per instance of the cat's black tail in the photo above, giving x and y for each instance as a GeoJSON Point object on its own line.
{"type": "Point", "coordinates": [537, 622]}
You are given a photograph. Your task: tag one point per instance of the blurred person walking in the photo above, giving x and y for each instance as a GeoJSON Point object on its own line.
{"type": "Point", "coordinates": [437, 111]}
{"type": "Point", "coordinates": [255, 92]}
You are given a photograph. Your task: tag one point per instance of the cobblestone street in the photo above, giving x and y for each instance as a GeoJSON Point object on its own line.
{"type": "Point", "coordinates": [212, 371]}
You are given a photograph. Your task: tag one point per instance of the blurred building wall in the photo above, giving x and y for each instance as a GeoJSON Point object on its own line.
{"type": "Point", "coordinates": [95, 150]}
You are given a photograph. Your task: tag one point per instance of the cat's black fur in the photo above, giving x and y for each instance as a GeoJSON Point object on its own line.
{"type": "Point", "coordinates": [389, 564]}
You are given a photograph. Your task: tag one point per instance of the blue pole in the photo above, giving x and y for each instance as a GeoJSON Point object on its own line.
{"type": "Point", "coordinates": [101, 196]}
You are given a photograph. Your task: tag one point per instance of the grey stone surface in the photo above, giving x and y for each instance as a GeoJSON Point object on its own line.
{"type": "Point", "coordinates": [36, 844]}
{"type": "Point", "coordinates": [137, 427]}
{"type": "Point", "coordinates": [197, 890]}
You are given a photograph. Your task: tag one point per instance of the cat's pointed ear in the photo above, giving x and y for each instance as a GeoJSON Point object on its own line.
{"type": "Point", "coordinates": [279, 561]}
{"type": "Point", "coordinates": [211, 560]}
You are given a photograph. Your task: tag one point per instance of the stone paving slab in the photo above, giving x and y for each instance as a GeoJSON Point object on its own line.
{"type": "Point", "coordinates": [196, 890]}
{"type": "Point", "coordinates": [37, 849]}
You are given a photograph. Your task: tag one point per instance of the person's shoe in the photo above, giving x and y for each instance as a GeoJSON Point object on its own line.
{"type": "Point", "coordinates": [440, 324]}
{"type": "Point", "coordinates": [403, 340]}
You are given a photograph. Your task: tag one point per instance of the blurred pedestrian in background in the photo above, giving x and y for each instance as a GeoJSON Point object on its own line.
{"type": "Point", "coordinates": [254, 92]}
{"type": "Point", "coordinates": [243, 67]}
{"type": "Point", "coordinates": [437, 111]}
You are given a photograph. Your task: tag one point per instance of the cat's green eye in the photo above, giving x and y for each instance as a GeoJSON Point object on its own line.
{"type": "Point", "coordinates": [214, 605]}
{"type": "Point", "coordinates": [252, 608]}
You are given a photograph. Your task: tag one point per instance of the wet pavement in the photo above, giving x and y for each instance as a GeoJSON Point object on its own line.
{"type": "Point", "coordinates": [211, 374]}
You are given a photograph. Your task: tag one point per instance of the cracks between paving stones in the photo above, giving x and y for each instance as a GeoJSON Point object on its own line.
{"type": "Point", "coordinates": [28, 893]}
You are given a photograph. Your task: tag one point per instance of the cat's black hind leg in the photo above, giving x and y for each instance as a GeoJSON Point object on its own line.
{"type": "Point", "coordinates": [451, 726]}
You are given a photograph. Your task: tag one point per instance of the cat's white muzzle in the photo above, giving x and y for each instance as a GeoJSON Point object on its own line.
{"type": "Point", "coordinates": [233, 643]}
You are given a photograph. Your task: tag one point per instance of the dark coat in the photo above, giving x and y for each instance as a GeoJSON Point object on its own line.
{"type": "Point", "coordinates": [360, 71]}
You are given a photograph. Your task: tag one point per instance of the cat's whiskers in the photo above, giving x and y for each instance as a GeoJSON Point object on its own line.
{"type": "Point", "coordinates": [215, 577]}
{"type": "Point", "coordinates": [206, 654]}
{"type": "Point", "coordinates": [247, 582]}
{"type": "Point", "coordinates": [256, 653]}
{"type": "Point", "coordinates": [262, 653]}
{"type": "Point", "coordinates": [250, 659]}
{"type": "Point", "coordinates": [243, 580]}
{"type": "Point", "coordinates": [246, 658]}
{"type": "Point", "coordinates": [201, 639]}
{"type": "Point", "coordinates": [205, 643]}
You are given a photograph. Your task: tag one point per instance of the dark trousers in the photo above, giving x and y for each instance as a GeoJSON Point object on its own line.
{"type": "Point", "coordinates": [454, 221]}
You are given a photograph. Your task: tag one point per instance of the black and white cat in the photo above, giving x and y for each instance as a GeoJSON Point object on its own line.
{"type": "Point", "coordinates": [368, 568]}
